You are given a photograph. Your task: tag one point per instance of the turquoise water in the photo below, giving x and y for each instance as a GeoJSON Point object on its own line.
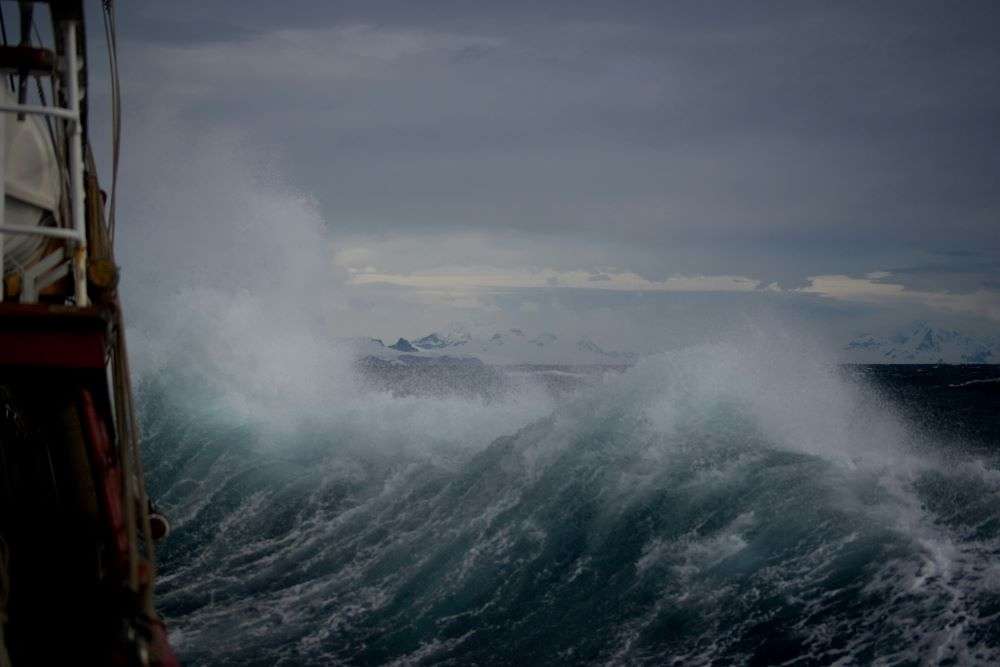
{"type": "Point", "coordinates": [708, 506]}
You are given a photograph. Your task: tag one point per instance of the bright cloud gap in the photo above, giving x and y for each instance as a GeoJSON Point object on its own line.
{"type": "Point", "coordinates": [459, 279]}
{"type": "Point", "coordinates": [869, 289]}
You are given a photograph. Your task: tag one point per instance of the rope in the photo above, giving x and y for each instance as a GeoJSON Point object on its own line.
{"type": "Point", "coordinates": [111, 36]}
{"type": "Point", "coordinates": [127, 427]}
{"type": "Point", "coordinates": [3, 33]}
{"type": "Point", "coordinates": [41, 91]}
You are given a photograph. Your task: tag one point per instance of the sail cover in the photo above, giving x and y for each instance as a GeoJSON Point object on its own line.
{"type": "Point", "coordinates": [31, 183]}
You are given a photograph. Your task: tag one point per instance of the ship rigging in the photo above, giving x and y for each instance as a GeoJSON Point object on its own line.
{"type": "Point", "coordinates": [76, 527]}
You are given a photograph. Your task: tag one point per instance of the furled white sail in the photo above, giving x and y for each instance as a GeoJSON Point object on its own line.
{"type": "Point", "coordinates": [31, 183]}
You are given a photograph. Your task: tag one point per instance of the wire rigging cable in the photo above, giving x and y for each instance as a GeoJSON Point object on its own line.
{"type": "Point", "coordinates": [111, 35]}
{"type": "Point", "coordinates": [41, 89]}
{"type": "Point", "coordinates": [3, 33]}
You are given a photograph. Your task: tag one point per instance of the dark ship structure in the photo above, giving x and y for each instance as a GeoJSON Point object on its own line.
{"type": "Point", "coordinates": [76, 526]}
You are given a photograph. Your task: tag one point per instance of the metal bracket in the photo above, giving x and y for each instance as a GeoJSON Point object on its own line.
{"type": "Point", "coordinates": [39, 277]}
{"type": "Point", "coordinates": [43, 273]}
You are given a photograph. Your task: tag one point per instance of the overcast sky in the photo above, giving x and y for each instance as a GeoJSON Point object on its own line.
{"type": "Point", "coordinates": [643, 169]}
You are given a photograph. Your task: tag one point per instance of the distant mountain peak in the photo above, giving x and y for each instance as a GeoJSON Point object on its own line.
{"type": "Point", "coordinates": [436, 341]}
{"type": "Point", "coordinates": [403, 345]}
{"type": "Point", "coordinates": [431, 342]}
{"type": "Point", "coordinates": [922, 343]}
{"type": "Point", "coordinates": [512, 345]}
{"type": "Point", "coordinates": [928, 342]}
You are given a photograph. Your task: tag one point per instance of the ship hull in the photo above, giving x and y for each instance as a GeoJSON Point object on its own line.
{"type": "Point", "coordinates": [64, 540]}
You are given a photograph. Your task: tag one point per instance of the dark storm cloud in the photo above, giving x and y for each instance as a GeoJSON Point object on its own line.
{"type": "Point", "coordinates": [777, 140]}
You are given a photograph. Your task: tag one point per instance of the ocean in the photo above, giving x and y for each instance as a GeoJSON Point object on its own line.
{"type": "Point", "coordinates": [708, 506]}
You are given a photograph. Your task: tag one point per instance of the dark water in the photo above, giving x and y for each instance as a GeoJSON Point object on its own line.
{"type": "Point", "coordinates": [701, 508]}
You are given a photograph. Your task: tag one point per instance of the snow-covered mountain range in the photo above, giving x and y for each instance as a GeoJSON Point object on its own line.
{"type": "Point", "coordinates": [501, 348]}
{"type": "Point", "coordinates": [921, 343]}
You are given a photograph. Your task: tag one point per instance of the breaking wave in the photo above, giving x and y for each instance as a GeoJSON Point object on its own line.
{"type": "Point", "coordinates": [734, 503]}
{"type": "Point", "coordinates": [726, 503]}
